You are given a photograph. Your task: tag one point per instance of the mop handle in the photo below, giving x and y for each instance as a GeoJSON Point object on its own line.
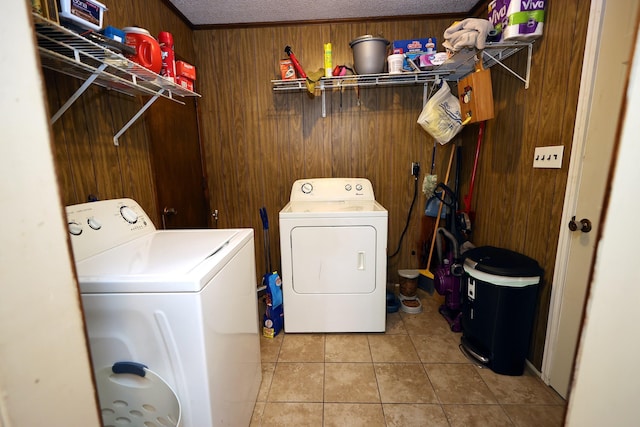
{"type": "Point", "coordinates": [267, 242]}
{"type": "Point", "coordinates": [435, 229]}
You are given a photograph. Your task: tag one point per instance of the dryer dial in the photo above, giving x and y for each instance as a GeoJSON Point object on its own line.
{"type": "Point", "coordinates": [347, 187]}
{"type": "Point", "coordinates": [94, 223]}
{"type": "Point", "coordinates": [359, 187]}
{"type": "Point", "coordinates": [307, 188]}
{"type": "Point", "coordinates": [128, 214]}
{"type": "Point", "coordinates": [75, 228]}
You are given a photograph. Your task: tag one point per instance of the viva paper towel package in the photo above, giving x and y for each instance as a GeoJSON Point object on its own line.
{"type": "Point", "coordinates": [498, 18]}
{"type": "Point", "coordinates": [525, 20]}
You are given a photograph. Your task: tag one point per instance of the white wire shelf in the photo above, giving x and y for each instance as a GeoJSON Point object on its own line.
{"type": "Point", "coordinates": [453, 69]}
{"type": "Point", "coordinates": [69, 53]}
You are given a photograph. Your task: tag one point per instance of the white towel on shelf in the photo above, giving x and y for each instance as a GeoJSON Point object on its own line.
{"type": "Point", "coordinates": [471, 32]}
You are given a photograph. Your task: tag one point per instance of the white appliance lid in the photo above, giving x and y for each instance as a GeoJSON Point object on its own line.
{"type": "Point", "coordinates": [172, 253]}
{"type": "Point", "coordinates": [348, 207]}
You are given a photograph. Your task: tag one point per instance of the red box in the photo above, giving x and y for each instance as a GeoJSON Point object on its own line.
{"type": "Point", "coordinates": [185, 69]}
{"type": "Point", "coordinates": [185, 82]}
{"type": "Point", "coordinates": [286, 70]}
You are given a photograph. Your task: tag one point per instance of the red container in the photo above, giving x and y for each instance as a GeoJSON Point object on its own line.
{"type": "Point", "coordinates": [147, 48]}
{"type": "Point", "coordinates": [168, 56]}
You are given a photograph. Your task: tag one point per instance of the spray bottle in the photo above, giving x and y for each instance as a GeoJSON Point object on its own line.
{"type": "Point", "coordinates": [328, 65]}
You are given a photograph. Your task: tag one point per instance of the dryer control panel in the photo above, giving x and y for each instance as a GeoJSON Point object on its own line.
{"type": "Point", "coordinates": [97, 226]}
{"type": "Point", "coordinates": [331, 189]}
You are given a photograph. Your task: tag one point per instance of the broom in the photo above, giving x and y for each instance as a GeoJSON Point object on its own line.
{"type": "Point", "coordinates": [425, 280]}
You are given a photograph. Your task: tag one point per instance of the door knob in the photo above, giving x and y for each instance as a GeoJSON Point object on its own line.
{"type": "Point", "coordinates": [584, 225]}
{"type": "Point", "coordinates": [165, 213]}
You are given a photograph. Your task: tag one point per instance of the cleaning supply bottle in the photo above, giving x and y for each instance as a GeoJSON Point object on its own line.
{"type": "Point", "coordinates": [328, 64]}
{"type": "Point", "coordinates": [168, 56]}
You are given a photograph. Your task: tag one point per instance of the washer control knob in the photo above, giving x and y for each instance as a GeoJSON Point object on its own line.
{"type": "Point", "coordinates": [359, 187]}
{"type": "Point", "coordinates": [94, 223]}
{"type": "Point", "coordinates": [347, 187]}
{"type": "Point", "coordinates": [75, 228]}
{"type": "Point", "coordinates": [128, 214]}
{"type": "Point", "coordinates": [307, 188]}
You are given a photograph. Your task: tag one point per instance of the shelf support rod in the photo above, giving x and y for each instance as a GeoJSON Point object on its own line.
{"type": "Point", "coordinates": [499, 62]}
{"type": "Point", "coordinates": [530, 49]}
{"type": "Point", "coordinates": [324, 100]}
{"type": "Point", "coordinates": [425, 93]}
{"type": "Point", "coordinates": [77, 93]}
{"type": "Point", "coordinates": [136, 117]}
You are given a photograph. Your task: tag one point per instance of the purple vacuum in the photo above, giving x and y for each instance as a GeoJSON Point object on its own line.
{"type": "Point", "coordinates": [447, 280]}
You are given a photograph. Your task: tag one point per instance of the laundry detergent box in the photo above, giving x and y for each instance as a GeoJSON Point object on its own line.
{"type": "Point", "coordinates": [185, 83]}
{"type": "Point", "coordinates": [429, 60]}
{"type": "Point", "coordinates": [185, 69]}
{"type": "Point", "coordinates": [426, 45]}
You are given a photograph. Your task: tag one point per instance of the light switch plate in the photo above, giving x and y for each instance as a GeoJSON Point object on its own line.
{"type": "Point", "coordinates": [548, 157]}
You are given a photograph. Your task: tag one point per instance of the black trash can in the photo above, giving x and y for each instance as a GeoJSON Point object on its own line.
{"type": "Point", "coordinates": [499, 297]}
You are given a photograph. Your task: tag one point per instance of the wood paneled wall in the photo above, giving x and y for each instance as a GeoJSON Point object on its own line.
{"type": "Point", "coordinates": [257, 141]}
{"type": "Point", "coordinates": [519, 207]}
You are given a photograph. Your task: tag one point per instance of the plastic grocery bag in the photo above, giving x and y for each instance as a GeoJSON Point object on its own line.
{"type": "Point", "coordinates": [441, 116]}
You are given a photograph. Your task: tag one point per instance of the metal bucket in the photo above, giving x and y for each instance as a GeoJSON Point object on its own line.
{"type": "Point", "coordinates": [369, 54]}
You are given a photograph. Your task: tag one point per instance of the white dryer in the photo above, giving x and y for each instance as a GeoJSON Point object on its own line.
{"type": "Point", "coordinates": [181, 302]}
{"type": "Point", "coordinates": [333, 237]}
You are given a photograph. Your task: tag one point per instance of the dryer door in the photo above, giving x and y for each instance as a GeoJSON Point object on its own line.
{"type": "Point", "coordinates": [333, 260]}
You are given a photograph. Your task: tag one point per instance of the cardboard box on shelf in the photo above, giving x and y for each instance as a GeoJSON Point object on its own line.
{"type": "Point", "coordinates": [185, 69]}
{"type": "Point", "coordinates": [424, 45]}
{"type": "Point", "coordinates": [287, 72]}
{"type": "Point", "coordinates": [85, 13]}
{"type": "Point", "coordinates": [184, 82]}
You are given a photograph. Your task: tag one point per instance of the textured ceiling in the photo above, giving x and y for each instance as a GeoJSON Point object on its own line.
{"type": "Point", "coordinates": [220, 12]}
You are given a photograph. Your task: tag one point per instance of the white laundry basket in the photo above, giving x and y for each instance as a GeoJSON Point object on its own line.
{"type": "Point", "coordinates": [132, 395]}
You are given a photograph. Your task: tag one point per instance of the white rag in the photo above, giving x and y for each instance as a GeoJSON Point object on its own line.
{"type": "Point", "coordinates": [471, 32]}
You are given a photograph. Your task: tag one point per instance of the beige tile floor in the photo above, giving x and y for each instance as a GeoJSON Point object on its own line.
{"type": "Point", "coordinates": [412, 375]}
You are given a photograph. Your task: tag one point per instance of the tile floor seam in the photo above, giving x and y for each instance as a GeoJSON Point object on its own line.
{"type": "Point", "coordinates": [440, 403]}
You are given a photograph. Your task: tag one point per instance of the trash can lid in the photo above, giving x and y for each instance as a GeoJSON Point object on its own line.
{"type": "Point", "coordinates": [502, 262]}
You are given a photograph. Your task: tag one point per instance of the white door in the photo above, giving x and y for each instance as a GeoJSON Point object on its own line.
{"type": "Point", "coordinates": [333, 260]}
{"type": "Point", "coordinates": [606, 386]}
{"type": "Point", "coordinates": [610, 39]}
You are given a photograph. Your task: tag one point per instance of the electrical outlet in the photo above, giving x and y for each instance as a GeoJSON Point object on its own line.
{"type": "Point", "coordinates": [548, 157]}
{"type": "Point", "coordinates": [415, 168]}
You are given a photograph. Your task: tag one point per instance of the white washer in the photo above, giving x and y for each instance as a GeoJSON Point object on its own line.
{"type": "Point", "coordinates": [333, 237]}
{"type": "Point", "coordinates": [182, 302]}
